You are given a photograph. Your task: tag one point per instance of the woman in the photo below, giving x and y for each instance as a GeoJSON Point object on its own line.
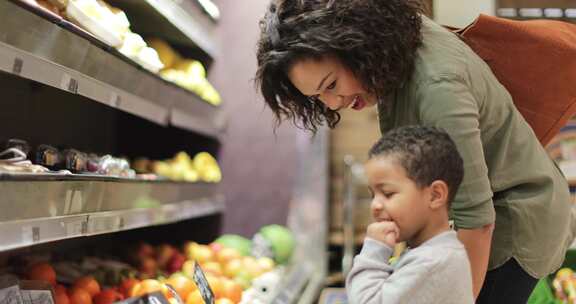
{"type": "Point", "coordinates": [512, 212]}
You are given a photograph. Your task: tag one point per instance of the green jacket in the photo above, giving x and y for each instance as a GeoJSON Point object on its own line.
{"type": "Point", "coordinates": [509, 178]}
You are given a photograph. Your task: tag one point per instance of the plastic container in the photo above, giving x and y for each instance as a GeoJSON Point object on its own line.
{"type": "Point", "coordinates": [74, 12]}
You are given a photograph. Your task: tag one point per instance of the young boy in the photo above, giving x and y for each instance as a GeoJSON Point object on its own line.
{"type": "Point", "coordinates": [413, 173]}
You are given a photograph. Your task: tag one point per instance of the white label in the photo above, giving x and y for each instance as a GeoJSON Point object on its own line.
{"type": "Point", "coordinates": [553, 13]}
{"type": "Point", "coordinates": [507, 12]}
{"type": "Point", "coordinates": [76, 228]}
{"type": "Point", "coordinates": [531, 12]}
{"type": "Point", "coordinates": [69, 84]}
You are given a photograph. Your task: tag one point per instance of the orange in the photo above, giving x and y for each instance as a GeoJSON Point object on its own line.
{"type": "Point", "coordinates": [224, 301]}
{"type": "Point", "coordinates": [215, 284]}
{"type": "Point", "coordinates": [60, 295]}
{"type": "Point", "coordinates": [89, 284]}
{"type": "Point", "coordinates": [42, 272]}
{"type": "Point", "coordinates": [195, 298]}
{"type": "Point", "coordinates": [231, 290]}
{"type": "Point", "coordinates": [183, 285]}
{"type": "Point", "coordinates": [149, 286]}
{"type": "Point", "coordinates": [79, 296]}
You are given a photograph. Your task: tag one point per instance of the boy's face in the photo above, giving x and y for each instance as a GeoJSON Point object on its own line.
{"type": "Point", "coordinates": [396, 197]}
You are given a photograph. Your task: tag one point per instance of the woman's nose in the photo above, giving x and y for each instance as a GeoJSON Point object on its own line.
{"type": "Point", "coordinates": [332, 101]}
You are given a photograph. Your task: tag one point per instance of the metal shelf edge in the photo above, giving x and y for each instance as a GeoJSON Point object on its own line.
{"type": "Point", "coordinates": [24, 233]}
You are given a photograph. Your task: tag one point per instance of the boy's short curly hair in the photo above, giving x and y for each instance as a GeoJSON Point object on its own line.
{"type": "Point", "coordinates": [426, 153]}
{"type": "Point", "coordinates": [376, 40]}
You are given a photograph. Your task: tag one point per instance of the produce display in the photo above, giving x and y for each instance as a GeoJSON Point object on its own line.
{"type": "Point", "coordinates": [112, 26]}
{"type": "Point", "coordinates": [203, 167]}
{"type": "Point", "coordinates": [187, 73]}
{"type": "Point", "coordinates": [16, 156]}
{"type": "Point", "coordinates": [564, 285]}
{"type": "Point", "coordinates": [233, 275]}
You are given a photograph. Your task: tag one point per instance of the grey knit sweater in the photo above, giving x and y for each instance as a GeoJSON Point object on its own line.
{"type": "Point", "coordinates": [437, 271]}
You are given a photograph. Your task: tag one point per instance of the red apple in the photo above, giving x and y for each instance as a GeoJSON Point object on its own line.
{"type": "Point", "coordinates": [216, 247]}
{"type": "Point", "coordinates": [164, 254]}
{"type": "Point", "coordinates": [176, 263]}
{"type": "Point", "coordinates": [227, 254]}
{"type": "Point", "coordinates": [108, 296]}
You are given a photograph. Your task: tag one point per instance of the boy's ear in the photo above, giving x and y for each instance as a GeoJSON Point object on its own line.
{"type": "Point", "coordinates": [438, 194]}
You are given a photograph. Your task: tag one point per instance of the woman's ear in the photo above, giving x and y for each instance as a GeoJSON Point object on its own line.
{"type": "Point", "coordinates": [438, 194]}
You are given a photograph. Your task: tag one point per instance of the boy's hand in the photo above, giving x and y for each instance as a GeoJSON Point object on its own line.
{"type": "Point", "coordinates": [386, 232]}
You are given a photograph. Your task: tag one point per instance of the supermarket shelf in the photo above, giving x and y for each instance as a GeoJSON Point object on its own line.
{"type": "Point", "coordinates": [22, 233]}
{"type": "Point", "coordinates": [57, 53]}
{"type": "Point", "coordinates": [26, 197]}
{"type": "Point", "coordinates": [183, 22]}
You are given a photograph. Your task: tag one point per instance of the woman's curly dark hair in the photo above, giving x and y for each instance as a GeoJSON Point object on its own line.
{"type": "Point", "coordinates": [375, 39]}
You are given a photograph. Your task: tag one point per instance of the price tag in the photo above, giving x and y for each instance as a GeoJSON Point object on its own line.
{"type": "Point", "coordinates": [69, 84]}
{"type": "Point", "coordinates": [30, 234]}
{"type": "Point", "coordinates": [115, 100]}
{"type": "Point", "coordinates": [202, 283]}
{"type": "Point", "coordinates": [37, 297]}
{"type": "Point", "coordinates": [10, 295]}
{"type": "Point", "coordinates": [17, 66]}
{"type": "Point", "coordinates": [76, 228]}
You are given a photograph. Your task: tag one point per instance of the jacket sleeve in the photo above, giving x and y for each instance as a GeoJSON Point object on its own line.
{"type": "Point", "coordinates": [447, 103]}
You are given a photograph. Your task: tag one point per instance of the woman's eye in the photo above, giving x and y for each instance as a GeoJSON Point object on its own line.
{"type": "Point", "coordinates": [389, 194]}
{"type": "Point", "coordinates": [331, 86]}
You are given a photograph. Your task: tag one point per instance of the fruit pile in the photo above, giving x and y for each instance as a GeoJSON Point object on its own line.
{"type": "Point", "coordinates": [112, 26]}
{"type": "Point", "coordinates": [233, 274]}
{"type": "Point", "coordinates": [564, 285]}
{"type": "Point", "coordinates": [203, 167]}
{"type": "Point", "coordinates": [187, 73]}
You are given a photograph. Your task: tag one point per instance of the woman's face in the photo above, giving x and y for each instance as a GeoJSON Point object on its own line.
{"type": "Point", "coordinates": [330, 82]}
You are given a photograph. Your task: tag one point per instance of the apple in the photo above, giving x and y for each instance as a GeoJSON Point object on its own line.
{"type": "Point", "coordinates": [126, 286]}
{"type": "Point", "coordinates": [212, 267]}
{"type": "Point", "coordinates": [227, 254]}
{"type": "Point", "coordinates": [164, 254]}
{"type": "Point", "coordinates": [233, 267]}
{"type": "Point", "coordinates": [266, 264]}
{"type": "Point", "coordinates": [216, 247]}
{"type": "Point", "coordinates": [176, 262]}
{"type": "Point", "coordinates": [188, 268]}
{"type": "Point", "coordinates": [148, 267]}
{"type": "Point", "coordinates": [145, 250]}
{"type": "Point", "coordinates": [251, 266]}
{"type": "Point", "coordinates": [201, 254]}
{"type": "Point", "coordinates": [107, 296]}
{"type": "Point", "coordinates": [149, 286]}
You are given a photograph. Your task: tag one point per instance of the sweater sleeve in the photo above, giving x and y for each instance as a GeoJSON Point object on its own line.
{"type": "Point", "coordinates": [373, 281]}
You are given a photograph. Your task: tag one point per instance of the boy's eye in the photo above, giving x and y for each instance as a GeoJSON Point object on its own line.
{"type": "Point", "coordinates": [331, 86]}
{"type": "Point", "coordinates": [389, 194]}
